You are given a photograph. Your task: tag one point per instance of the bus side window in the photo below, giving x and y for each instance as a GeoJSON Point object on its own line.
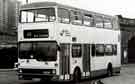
{"type": "Point", "coordinates": [63, 16]}
{"type": "Point", "coordinates": [115, 49]}
{"type": "Point", "coordinates": [108, 50]}
{"type": "Point", "coordinates": [76, 50]}
{"type": "Point", "coordinates": [99, 22]}
{"type": "Point", "coordinates": [76, 18]}
{"type": "Point", "coordinates": [88, 20]}
{"type": "Point", "coordinates": [93, 50]}
{"type": "Point", "coordinates": [108, 23]}
{"type": "Point", "coordinates": [99, 50]}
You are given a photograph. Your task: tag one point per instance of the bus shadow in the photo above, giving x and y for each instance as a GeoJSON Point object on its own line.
{"type": "Point", "coordinates": [86, 81]}
{"type": "Point", "coordinates": [95, 80]}
{"type": "Point", "coordinates": [50, 82]}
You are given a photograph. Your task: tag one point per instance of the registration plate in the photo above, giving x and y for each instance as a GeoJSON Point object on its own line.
{"type": "Point", "coordinates": [36, 79]}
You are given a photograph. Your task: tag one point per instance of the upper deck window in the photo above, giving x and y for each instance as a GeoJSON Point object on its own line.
{"type": "Point", "coordinates": [76, 17]}
{"type": "Point", "coordinates": [108, 23]}
{"type": "Point", "coordinates": [38, 15]}
{"type": "Point", "coordinates": [63, 15]}
{"type": "Point", "coordinates": [99, 22]}
{"type": "Point", "coordinates": [88, 20]}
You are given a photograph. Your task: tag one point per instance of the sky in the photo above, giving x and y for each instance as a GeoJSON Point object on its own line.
{"type": "Point", "coordinates": [126, 8]}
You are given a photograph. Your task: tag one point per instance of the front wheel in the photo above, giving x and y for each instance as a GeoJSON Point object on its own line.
{"type": "Point", "coordinates": [46, 79]}
{"type": "Point", "coordinates": [77, 75]}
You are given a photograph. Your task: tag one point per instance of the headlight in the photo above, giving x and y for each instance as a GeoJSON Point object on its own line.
{"type": "Point", "coordinates": [20, 70]}
{"type": "Point", "coordinates": [53, 71]}
{"type": "Point", "coordinates": [16, 65]}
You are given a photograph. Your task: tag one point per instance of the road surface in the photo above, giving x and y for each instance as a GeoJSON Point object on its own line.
{"type": "Point", "coordinates": [127, 76]}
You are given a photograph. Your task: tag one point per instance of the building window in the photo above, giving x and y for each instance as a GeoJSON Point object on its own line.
{"type": "Point", "coordinates": [76, 18]}
{"type": "Point", "coordinates": [76, 50]}
{"type": "Point", "coordinates": [63, 16]}
{"type": "Point", "coordinates": [108, 49]}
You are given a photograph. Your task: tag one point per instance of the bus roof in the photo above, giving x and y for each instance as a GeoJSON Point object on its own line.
{"type": "Point", "coordinates": [38, 5]}
{"type": "Point", "coordinates": [51, 4]}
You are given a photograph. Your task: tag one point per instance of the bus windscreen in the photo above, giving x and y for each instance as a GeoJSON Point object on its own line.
{"type": "Point", "coordinates": [41, 51]}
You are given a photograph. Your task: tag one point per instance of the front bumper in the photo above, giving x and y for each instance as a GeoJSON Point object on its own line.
{"type": "Point", "coordinates": [28, 74]}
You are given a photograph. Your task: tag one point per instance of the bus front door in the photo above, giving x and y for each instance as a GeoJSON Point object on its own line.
{"type": "Point", "coordinates": [65, 60]}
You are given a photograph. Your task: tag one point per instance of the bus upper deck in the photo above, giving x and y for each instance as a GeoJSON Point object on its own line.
{"type": "Point", "coordinates": [55, 12]}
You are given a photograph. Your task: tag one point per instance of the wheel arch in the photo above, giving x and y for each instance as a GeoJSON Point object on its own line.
{"type": "Point", "coordinates": [77, 74]}
{"type": "Point", "coordinates": [109, 65]}
{"type": "Point", "coordinates": [77, 67]}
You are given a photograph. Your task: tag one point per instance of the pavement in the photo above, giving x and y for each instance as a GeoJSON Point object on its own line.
{"type": "Point", "coordinates": [7, 70]}
{"type": "Point", "coordinates": [127, 76]}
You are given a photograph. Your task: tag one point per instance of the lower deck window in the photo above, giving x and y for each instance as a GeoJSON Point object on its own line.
{"type": "Point", "coordinates": [99, 50]}
{"type": "Point", "coordinates": [103, 50]}
{"type": "Point", "coordinates": [76, 50]}
{"type": "Point", "coordinates": [108, 49]}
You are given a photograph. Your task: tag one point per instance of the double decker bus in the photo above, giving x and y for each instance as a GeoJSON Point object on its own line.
{"type": "Point", "coordinates": [60, 42]}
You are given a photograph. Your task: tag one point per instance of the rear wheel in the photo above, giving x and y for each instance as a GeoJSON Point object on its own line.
{"type": "Point", "coordinates": [109, 71]}
{"type": "Point", "coordinates": [77, 75]}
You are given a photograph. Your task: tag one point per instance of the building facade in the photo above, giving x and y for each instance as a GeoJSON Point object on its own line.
{"type": "Point", "coordinates": [127, 27]}
{"type": "Point", "coordinates": [8, 34]}
{"type": "Point", "coordinates": [8, 22]}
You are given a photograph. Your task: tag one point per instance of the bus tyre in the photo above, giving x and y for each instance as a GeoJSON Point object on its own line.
{"type": "Point", "coordinates": [77, 75]}
{"type": "Point", "coordinates": [46, 79]}
{"type": "Point", "coordinates": [109, 71]}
